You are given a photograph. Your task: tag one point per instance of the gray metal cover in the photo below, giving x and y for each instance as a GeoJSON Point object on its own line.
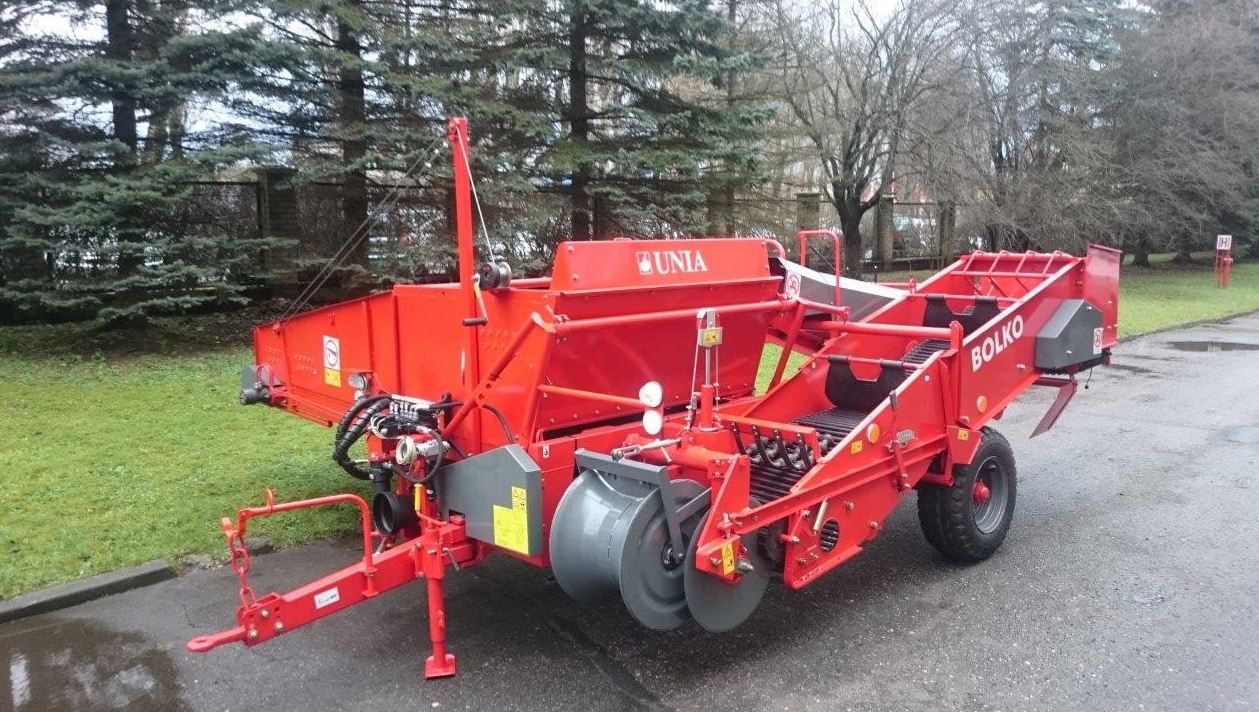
{"type": "Point", "coordinates": [500, 494]}
{"type": "Point", "coordinates": [862, 298]}
{"type": "Point", "coordinates": [1071, 336]}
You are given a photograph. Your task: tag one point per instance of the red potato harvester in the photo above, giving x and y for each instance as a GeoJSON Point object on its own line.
{"type": "Point", "coordinates": [604, 422]}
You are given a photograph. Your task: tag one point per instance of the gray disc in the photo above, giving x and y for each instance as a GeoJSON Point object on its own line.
{"type": "Point", "coordinates": [587, 529]}
{"type": "Point", "coordinates": [719, 606]}
{"type": "Point", "coordinates": [651, 586]}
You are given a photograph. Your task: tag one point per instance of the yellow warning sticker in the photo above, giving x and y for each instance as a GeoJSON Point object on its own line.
{"type": "Point", "coordinates": [332, 377]}
{"type": "Point", "coordinates": [856, 446]}
{"type": "Point", "coordinates": [963, 435]}
{"type": "Point", "coordinates": [727, 558]}
{"type": "Point", "coordinates": [511, 526]}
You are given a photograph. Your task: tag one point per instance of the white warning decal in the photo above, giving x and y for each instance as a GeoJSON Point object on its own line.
{"type": "Point", "coordinates": [332, 361]}
{"type": "Point", "coordinates": [791, 288]}
{"type": "Point", "coordinates": [324, 599]}
{"type": "Point", "coordinates": [332, 352]}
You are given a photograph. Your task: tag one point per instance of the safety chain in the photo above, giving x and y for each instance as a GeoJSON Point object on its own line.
{"type": "Point", "coordinates": [240, 564]}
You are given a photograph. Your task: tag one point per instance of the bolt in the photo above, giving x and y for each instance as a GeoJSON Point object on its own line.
{"type": "Point", "coordinates": [265, 614]}
{"type": "Point", "coordinates": [849, 505]}
{"type": "Point", "coordinates": [874, 524]}
{"type": "Point", "coordinates": [715, 561]}
{"type": "Point", "coordinates": [279, 626]}
{"type": "Point", "coordinates": [253, 634]}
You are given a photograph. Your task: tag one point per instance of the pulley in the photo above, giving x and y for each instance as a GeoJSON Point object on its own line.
{"type": "Point", "coordinates": [610, 534]}
{"type": "Point", "coordinates": [494, 275]}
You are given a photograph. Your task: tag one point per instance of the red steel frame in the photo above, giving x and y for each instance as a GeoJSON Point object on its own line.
{"type": "Point", "coordinates": [566, 355]}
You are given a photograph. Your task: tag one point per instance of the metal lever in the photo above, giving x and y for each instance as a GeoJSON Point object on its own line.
{"type": "Point", "coordinates": [480, 301]}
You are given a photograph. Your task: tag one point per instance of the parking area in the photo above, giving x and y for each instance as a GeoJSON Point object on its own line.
{"type": "Point", "coordinates": [1128, 582]}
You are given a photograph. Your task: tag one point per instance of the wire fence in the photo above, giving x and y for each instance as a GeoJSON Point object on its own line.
{"type": "Point", "coordinates": [411, 235]}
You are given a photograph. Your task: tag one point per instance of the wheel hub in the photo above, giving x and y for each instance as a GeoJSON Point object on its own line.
{"type": "Point", "coordinates": [981, 493]}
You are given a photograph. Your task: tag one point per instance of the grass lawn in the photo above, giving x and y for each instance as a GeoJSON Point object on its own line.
{"type": "Point", "coordinates": [125, 447]}
{"type": "Point", "coordinates": [1166, 295]}
{"type": "Point", "coordinates": [108, 461]}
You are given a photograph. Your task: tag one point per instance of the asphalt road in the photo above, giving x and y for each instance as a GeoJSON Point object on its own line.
{"type": "Point", "coordinates": [1129, 581]}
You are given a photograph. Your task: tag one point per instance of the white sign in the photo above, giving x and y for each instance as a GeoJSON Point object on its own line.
{"type": "Point", "coordinates": [1223, 242]}
{"type": "Point", "coordinates": [327, 598]}
{"type": "Point", "coordinates": [792, 288]}
{"type": "Point", "coordinates": [332, 353]}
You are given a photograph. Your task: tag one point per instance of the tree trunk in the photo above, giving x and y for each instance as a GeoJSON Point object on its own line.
{"type": "Point", "coordinates": [1141, 253]}
{"type": "Point", "coordinates": [119, 44]}
{"type": "Point", "coordinates": [1184, 249]}
{"type": "Point", "coordinates": [579, 122]}
{"type": "Point", "coordinates": [119, 48]}
{"type": "Point", "coordinates": [350, 89]}
{"type": "Point", "coordinates": [853, 255]}
{"type": "Point", "coordinates": [846, 200]}
{"type": "Point", "coordinates": [721, 199]}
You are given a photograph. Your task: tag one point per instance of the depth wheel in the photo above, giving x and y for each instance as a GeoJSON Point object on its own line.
{"type": "Point", "coordinates": [651, 574]}
{"type": "Point", "coordinates": [719, 606]}
{"type": "Point", "coordinates": [968, 520]}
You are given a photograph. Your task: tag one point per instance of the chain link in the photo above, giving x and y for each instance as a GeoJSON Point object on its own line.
{"type": "Point", "coordinates": [240, 564]}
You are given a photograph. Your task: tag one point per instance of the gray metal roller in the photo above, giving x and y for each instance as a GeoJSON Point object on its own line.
{"type": "Point", "coordinates": [609, 535]}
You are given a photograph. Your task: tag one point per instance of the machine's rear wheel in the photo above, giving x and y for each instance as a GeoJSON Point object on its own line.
{"type": "Point", "coordinates": [968, 520]}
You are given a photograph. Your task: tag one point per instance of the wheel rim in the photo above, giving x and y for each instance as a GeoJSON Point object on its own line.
{"type": "Point", "coordinates": [989, 496]}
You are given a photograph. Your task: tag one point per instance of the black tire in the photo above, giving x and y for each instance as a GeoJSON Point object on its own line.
{"type": "Point", "coordinates": [955, 520]}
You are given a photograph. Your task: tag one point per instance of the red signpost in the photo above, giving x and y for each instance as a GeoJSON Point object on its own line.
{"type": "Point", "coordinates": [1223, 260]}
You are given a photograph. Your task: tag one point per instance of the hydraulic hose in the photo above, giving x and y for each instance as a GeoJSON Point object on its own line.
{"type": "Point", "coordinates": [356, 419]}
{"type": "Point", "coordinates": [352, 426]}
{"type": "Point", "coordinates": [354, 410]}
{"type": "Point", "coordinates": [502, 422]}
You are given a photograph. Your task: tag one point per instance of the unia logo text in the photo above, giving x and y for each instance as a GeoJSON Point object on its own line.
{"type": "Point", "coordinates": [670, 261]}
{"type": "Point", "coordinates": [996, 342]}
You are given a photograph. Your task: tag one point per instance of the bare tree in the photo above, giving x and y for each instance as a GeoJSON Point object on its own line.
{"type": "Point", "coordinates": [1185, 112]}
{"type": "Point", "coordinates": [1040, 77]}
{"type": "Point", "coordinates": [855, 83]}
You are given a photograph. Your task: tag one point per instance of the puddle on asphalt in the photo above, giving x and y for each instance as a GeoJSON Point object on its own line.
{"type": "Point", "coordinates": [1129, 368]}
{"type": "Point", "coordinates": [1246, 435]}
{"type": "Point", "coordinates": [67, 664]}
{"type": "Point", "coordinates": [1212, 346]}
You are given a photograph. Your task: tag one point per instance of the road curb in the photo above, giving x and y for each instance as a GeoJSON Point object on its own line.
{"type": "Point", "coordinates": [72, 594]}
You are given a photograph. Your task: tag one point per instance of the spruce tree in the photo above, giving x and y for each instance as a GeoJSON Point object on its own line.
{"type": "Point", "coordinates": [355, 92]}
{"type": "Point", "coordinates": [97, 163]}
{"type": "Point", "coordinates": [650, 135]}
